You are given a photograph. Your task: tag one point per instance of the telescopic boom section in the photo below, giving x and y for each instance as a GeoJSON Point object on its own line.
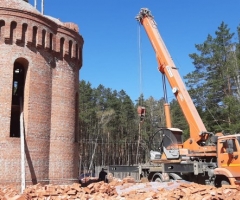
{"type": "Point", "coordinates": [166, 66]}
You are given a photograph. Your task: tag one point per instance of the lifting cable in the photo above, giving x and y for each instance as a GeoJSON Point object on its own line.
{"type": "Point", "coordinates": [140, 64]}
{"type": "Point", "coordinates": [141, 111]}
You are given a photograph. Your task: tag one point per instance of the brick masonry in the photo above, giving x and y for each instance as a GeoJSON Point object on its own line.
{"type": "Point", "coordinates": [51, 53]}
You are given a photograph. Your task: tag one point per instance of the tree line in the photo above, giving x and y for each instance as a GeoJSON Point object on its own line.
{"type": "Point", "coordinates": [111, 131]}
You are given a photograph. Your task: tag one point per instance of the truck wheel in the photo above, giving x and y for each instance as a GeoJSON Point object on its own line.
{"type": "Point", "coordinates": [225, 182]}
{"type": "Point", "coordinates": [171, 180]}
{"type": "Point", "coordinates": [158, 179]}
{"type": "Point", "coordinates": [221, 180]}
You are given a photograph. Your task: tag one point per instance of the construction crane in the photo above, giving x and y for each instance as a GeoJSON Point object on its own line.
{"type": "Point", "coordinates": [204, 158]}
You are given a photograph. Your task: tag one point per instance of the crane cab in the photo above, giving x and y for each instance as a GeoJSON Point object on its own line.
{"type": "Point", "coordinates": [228, 151]}
{"type": "Point", "coordinates": [169, 142]}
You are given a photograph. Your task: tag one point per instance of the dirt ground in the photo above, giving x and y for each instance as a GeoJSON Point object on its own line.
{"type": "Point", "coordinates": [126, 189]}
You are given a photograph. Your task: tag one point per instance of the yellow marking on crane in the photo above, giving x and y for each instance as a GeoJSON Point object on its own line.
{"type": "Point", "coordinates": [231, 165]}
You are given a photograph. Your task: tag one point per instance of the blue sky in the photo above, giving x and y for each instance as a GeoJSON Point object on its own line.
{"type": "Point", "coordinates": [111, 37]}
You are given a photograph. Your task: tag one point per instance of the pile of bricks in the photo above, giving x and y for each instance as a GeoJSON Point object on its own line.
{"type": "Point", "coordinates": [198, 192]}
{"type": "Point", "coordinates": [75, 191]}
{"type": "Point", "coordinates": [107, 191]}
{"type": "Point", "coordinates": [98, 190]}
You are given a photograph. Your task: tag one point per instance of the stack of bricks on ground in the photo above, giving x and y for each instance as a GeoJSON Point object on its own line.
{"type": "Point", "coordinates": [107, 191]}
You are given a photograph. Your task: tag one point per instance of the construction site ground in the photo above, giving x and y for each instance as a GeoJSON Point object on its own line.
{"type": "Point", "coordinates": [126, 189]}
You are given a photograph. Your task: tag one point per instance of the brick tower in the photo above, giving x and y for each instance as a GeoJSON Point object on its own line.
{"type": "Point", "coordinates": [40, 59]}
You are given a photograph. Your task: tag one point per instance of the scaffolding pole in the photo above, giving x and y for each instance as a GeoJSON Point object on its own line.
{"type": "Point", "coordinates": [23, 181]}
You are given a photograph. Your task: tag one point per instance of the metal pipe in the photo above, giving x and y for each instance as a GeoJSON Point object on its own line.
{"type": "Point", "coordinates": [23, 177]}
{"type": "Point", "coordinates": [42, 7]}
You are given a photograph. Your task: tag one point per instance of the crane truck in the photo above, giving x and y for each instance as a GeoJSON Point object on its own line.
{"type": "Point", "coordinates": [205, 157]}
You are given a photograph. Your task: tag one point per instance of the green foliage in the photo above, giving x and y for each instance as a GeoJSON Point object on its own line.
{"type": "Point", "coordinates": [178, 119]}
{"type": "Point", "coordinates": [214, 84]}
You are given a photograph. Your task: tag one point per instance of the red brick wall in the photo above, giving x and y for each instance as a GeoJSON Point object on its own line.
{"type": "Point", "coordinates": [51, 86]}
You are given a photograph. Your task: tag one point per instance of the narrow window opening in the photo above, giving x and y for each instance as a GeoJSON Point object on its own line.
{"type": "Point", "coordinates": [34, 36]}
{"type": "Point", "coordinates": [17, 97]}
{"type": "Point", "coordinates": [80, 54]}
{"type": "Point", "coordinates": [77, 51]}
{"type": "Point", "coordinates": [43, 38]}
{"type": "Point", "coordinates": [70, 49]}
{"type": "Point", "coordinates": [61, 46]}
{"type": "Point", "coordinates": [12, 30]}
{"type": "Point", "coordinates": [51, 41]}
{"type": "Point", "coordinates": [24, 30]}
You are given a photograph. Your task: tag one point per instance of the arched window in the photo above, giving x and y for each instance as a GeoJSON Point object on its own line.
{"type": "Point", "coordinates": [34, 36]}
{"type": "Point", "coordinates": [43, 38]}
{"type": "Point", "coordinates": [51, 42]}
{"type": "Point", "coordinates": [80, 54]}
{"type": "Point", "coordinates": [24, 30]}
{"type": "Point", "coordinates": [17, 98]}
{"type": "Point", "coordinates": [76, 51]}
{"type": "Point", "coordinates": [61, 46]}
{"type": "Point", "coordinates": [70, 49]}
{"type": "Point", "coordinates": [12, 30]}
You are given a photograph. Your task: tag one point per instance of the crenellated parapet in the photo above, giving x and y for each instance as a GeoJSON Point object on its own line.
{"type": "Point", "coordinates": [42, 33]}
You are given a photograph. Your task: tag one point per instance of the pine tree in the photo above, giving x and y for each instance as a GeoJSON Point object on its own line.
{"type": "Point", "coordinates": [213, 83]}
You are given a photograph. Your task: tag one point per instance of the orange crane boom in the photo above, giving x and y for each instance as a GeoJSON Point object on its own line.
{"type": "Point", "coordinates": [198, 132]}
